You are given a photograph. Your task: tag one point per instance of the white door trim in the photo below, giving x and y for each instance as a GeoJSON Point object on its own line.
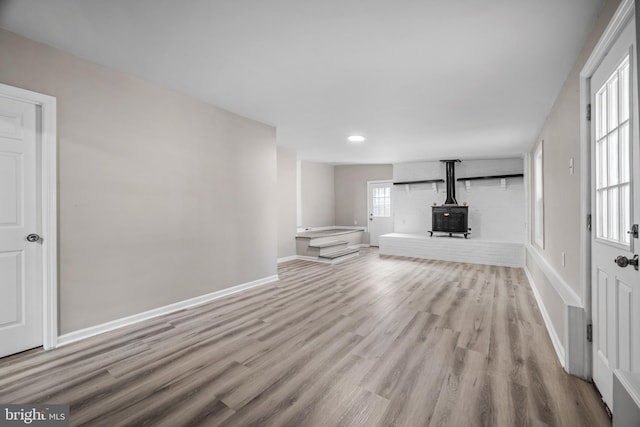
{"type": "Point", "coordinates": [47, 138]}
{"type": "Point", "coordinates": [625, 11]}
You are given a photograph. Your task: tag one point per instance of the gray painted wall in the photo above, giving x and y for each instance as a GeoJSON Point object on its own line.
{"type": "Point", "coordinates": [351, 191]}
{"type": "Point", "coordinates": [562, 218]}
{"type": "Point", "coordinates": [318, 197]}
{"type": "Point", "coordinates": [561, 135]}
{"type": "Point", "coordinates": [161, 197]}
{"type": "Point", "coordinates": [287, 193]}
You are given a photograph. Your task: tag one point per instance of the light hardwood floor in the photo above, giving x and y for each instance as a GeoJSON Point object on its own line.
{"type": "Point", "coordinates": [372, 341]}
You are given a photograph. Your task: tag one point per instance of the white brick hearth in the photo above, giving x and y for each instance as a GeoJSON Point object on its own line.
{"type": "Point", "coordinates": [456, 249]}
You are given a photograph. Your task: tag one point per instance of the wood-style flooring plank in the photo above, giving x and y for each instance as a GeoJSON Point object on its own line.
{"type": "Point", "coordinates": [372, 341]}
{"type": "Point", "coordinates": [461, 400]}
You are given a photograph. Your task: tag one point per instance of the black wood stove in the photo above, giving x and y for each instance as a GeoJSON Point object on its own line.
{"type": "Point", "coordinates": [450, 217]}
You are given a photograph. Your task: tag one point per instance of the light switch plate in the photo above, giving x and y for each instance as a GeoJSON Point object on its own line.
{"type": "Point", "coordinates": [571, 166]}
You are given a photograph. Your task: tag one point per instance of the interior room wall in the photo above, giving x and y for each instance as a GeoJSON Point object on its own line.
{"type": "Point", "coordinates": [287, 202]}
{"type": "Point", "coordinates": [317, 194]}
{"type": "Point", "coordinates": [557, 287]}
{"type": "Point", "coordinates": [561, 135]}
{"type": "Point", "coordinates": [351, 192]}
{"type": "Point", "coordinates": [495, 213]}
{"type": "Point", "coordinates": [161, 197]}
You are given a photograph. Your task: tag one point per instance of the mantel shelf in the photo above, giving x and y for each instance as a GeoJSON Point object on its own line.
{"type": "Point", "coordinates": [424, 181]}
{"type": "Point", "coordinates": [475, 178]}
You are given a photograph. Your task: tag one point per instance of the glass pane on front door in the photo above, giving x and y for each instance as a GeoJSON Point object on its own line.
{"type": "Point", "coordinates": [613, 208]}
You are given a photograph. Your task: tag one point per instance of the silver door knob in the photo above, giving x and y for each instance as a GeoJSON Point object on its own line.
{"type": "Point", "coordinates": [33, 238]}
{"type": "Point", "coordinates": [623, 261]}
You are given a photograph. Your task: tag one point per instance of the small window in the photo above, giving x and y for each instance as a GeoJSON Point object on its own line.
{"type": "Point", "coordinates": [538, 196]}
{"type": "Point", "coordinates": [382, 201]}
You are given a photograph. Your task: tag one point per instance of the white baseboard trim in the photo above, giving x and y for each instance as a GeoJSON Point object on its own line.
{"type": "Point", "coordinates": [287, 258]}
{"type": "Point", "coordinates": [573, 351]}
{"type": "Point", "coordinates": [626, 397]}
{"type": "Point", "coordinates": [140, 317]}
{"type": "Point", "coordinates": [555, 340]}
{"type": "Point", "coordinates": [559, 284]}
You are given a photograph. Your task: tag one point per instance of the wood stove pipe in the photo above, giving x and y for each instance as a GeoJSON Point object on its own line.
{"type": "Point", "coordinates": [451, 181]}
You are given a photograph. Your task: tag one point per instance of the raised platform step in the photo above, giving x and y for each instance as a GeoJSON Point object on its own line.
{"type": "Point", "coordinates": [456, 249]}
{"type": "Point", "coordinates": [315, 234]}
{"type": "Point", "coordinates": [340, 254]}
{"type": "Point", "coordinates": [324, 242]}
{"type": "Point", "coordinates": [329, 244]}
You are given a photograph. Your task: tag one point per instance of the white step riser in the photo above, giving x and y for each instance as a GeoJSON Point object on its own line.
{"type": "Point", "coordinates": [328, 250]}
{"type": "Point", "coordinates": [353, 238]}
{"type": "Point", "coordinates": [303, 244]}
{"type": "Point", "coordinates": [349, 253]}
{"type": "Point", "coordinates": [323, 251]}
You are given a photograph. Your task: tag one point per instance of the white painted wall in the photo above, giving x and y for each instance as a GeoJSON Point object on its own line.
{"type": "Point", "coordinates": [287, 202]}
{"type": "Point", "coordinates": [495, 214]}
{"type": "Point", "coordinates": [317, 196]}
{"type": "Point", "coordinates": [351, 193]}
{"type": "Point", "coordinates": [162, 198]}
{"type": "Point", "coordinates": [561, 135]}
{"type": "Point", "coordinates": [550, 279]}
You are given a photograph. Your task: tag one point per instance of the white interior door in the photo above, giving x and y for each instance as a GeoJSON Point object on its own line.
{"type": "Point", "coordinates": [20, 259]}
{"type": "Point", "coordinates": [615, 196]}
{"type": "Point", "coordinates": [380, 210]}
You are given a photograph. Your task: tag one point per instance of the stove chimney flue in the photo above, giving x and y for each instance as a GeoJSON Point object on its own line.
{"type": "Point", "coordinates": [451, 181]}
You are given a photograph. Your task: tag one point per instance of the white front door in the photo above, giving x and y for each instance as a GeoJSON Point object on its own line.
{"type": "Point", "coordinates": [20, 259]}
{"type": "Point", "coordinates": [380, 210]}
{"type": "Point", "coordinates": [615, 195]}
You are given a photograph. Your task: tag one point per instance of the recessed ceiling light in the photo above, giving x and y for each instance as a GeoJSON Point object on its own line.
{"type": "Point", "coordinates": [356, 138]}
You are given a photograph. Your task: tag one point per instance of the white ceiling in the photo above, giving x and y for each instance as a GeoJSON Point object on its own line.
{"type": "Point", "coordinates": [421, 79]}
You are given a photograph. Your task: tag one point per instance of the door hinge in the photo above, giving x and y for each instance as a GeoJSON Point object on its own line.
{"type": "Point", "coordinates": [589, 112]}
{"type": "Point", "coordinates": [590, 333]}
{"type": "Point", "coordinates": [589, 222]}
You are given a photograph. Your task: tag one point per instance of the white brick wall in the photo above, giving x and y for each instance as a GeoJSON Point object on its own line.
{"type": "Point", "coordinates": [453, 249]}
